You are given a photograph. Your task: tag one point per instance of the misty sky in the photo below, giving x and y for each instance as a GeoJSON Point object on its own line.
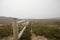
{"type": "Point", "coordinates": [30, 8]}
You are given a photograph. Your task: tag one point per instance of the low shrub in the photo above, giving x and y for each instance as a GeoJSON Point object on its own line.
{"type": "Point", "coordinates": [49, 32]}
{"type": "Point", "coordinates": [6, 31]}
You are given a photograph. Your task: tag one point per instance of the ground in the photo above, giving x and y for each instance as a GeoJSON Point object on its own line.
{"type": "Point", "coordinates": [34, 37]}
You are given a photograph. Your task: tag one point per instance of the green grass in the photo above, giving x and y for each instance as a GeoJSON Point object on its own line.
{"type": "Point", "coordinates": [49, 32]}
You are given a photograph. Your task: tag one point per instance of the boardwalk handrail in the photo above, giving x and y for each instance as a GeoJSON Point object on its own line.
{"type": "Point", "coordinates": [21, 21]}
{"type": "Point", "coordinates": [21, 32]}
{"type": "Point", "coordinates": [15, 29]}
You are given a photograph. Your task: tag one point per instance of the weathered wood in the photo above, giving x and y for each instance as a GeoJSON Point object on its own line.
{"type": "Point", "coordinates": [15, 29]}
{"type": "Point", "coordinates": [21, 32]}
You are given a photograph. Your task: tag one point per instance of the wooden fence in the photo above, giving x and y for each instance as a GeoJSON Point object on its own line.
{"type": "Point", "coordinates": [17, 35]}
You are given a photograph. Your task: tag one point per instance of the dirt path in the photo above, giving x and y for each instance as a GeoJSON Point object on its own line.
{"type": "Point", "coordinates": [34, 37]}
{"type": "Point", "coordinates": [7, 38]}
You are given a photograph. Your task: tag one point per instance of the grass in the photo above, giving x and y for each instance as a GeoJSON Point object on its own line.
{"type": "Point", "coordinates": [6, 31]}
{"type": "Point", "coordinates": [49, 32]}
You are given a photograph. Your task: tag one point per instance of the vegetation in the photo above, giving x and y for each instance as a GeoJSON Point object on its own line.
{"type": "Point", "coordinates": [52, 33]}
{"type": "Point", "coordinates": [39, 28]}
{"type": "Point", "coordinates": [6, 31]}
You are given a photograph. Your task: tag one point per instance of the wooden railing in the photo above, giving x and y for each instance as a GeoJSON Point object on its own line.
{"type": "Point", "coordinates": [17, 35]}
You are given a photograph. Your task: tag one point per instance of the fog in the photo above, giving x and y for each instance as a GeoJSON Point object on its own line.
{"type": "Point", "coordinates": [30, 8]}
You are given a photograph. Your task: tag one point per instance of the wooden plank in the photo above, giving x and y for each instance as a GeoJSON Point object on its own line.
{"type": "Point", "coordinates": [21, 32]}
{"type": "Point", "coordinates": [15, 29]}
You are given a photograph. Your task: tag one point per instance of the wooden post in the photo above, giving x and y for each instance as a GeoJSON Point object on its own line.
{"type": "Point", "coordinates": [15, 29]}
{"type": "Point", "coordinates": [25, 21]}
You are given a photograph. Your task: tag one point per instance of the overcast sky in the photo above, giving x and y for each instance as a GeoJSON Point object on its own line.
{"type": "Point", "coordinates": [30, 8]}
